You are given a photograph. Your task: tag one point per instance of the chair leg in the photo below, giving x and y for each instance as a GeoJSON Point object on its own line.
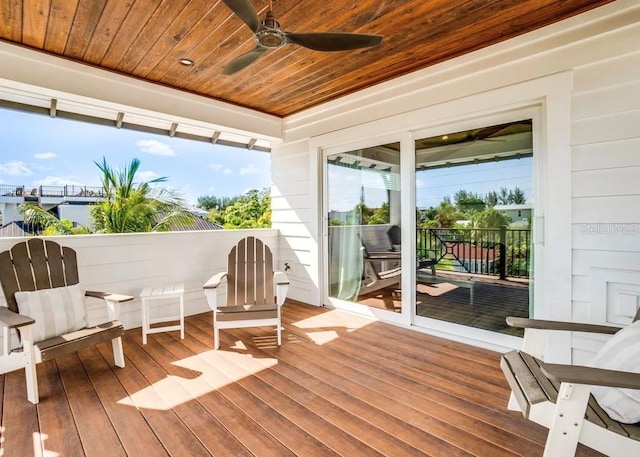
{"type": "Point", "coordinates": [118, 353]}
{"type": "Point", "coordinates": [216, 337]}
{"type": "Point", "coordinates": [30, 368]}
{"type": "Point", "coordinates": [279, 335]}
{"type": "Point", "coordinates": [564, 432]}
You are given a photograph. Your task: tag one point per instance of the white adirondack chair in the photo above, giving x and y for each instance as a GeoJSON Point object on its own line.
{"type": "Point", "coordinates": [559, 396]}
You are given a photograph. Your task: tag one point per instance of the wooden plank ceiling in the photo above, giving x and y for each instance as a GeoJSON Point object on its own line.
{"type": "Point", "coordinates": [146, 38]}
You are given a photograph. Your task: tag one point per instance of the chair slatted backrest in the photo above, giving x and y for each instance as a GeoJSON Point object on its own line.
{"type": "Point", "coordinates": [36, 264]}
{"type": "Point", "coordinates": [250, 274]}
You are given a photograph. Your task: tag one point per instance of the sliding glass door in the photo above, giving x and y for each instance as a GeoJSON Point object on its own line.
{"type": "Point", "coordinates": [474, 208]}
{"type": "Point", "coordinates": [362, 223]}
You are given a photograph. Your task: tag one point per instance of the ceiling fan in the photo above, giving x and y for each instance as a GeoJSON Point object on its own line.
{"type": "Point", "coordinates": [268, 35]}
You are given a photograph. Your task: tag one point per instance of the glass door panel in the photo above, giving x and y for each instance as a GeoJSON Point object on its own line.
{"type": "Point", "coordinates": [363, 205]}
{"type": "Point", "coordinates": [474, 207]}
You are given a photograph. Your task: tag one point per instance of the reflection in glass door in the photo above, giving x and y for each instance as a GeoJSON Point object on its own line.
{"type": "Point", "coordinates": [363, 204]}
{"type": "Point", "coordinates": [474, 207]}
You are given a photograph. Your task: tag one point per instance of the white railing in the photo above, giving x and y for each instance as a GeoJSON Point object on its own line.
{"type": "Point", "coordinates": [125, 263]}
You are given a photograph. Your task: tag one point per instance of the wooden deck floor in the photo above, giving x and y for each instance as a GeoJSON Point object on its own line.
{"type": "Point", "coordinates": [339, 385]}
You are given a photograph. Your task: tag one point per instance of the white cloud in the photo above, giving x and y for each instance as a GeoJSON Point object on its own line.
{"type": "Point", "coordinates": [44, 155]}
{"type": "Point", "coordinates": [58, 181]}
{"type": "Point", "coordinates": [250, 169]}
{"type": "Point", "coordinates": [227, 171]}
{"type": "Point", "coordinates": [216, 166]}
{"type": "Point", "coordinates": [155, 147]}
{"type": "Point", "coordinates": [15, 168]}
{"type": "Point", "coordinates": [145, 176]}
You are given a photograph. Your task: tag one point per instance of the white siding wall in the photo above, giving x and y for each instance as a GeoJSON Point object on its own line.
{"type": "Point", "coordinates": [128, 262]}
{"type": "Point", "coordinates": [601, 122]}
{"type": "Point", "coordinates": [605, 141]}
{"type": "Point", "coordinates": [293, 208]}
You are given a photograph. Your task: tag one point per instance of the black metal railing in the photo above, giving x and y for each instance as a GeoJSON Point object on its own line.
{"type": "Point", "coordinates": [501, 252]}
{"type": "Point", "coordinates": [12, 190]}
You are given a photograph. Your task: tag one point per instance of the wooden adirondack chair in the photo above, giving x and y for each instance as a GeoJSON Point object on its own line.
{"type": "Point", "coordinates": [559, 396]}
{"type": "Point", "coordinates": [40, 277]}
{"type": "Point", "coordinates": [252, 299]}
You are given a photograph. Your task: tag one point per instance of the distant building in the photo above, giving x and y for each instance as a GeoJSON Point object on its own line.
{"type": "Point", "coordinates": [520, 215]}
{"type": "Point", "coordinates": [67, 202]}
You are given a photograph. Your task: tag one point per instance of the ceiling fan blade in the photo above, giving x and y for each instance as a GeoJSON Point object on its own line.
{"type": "Point", "coordinates": [245, 11]}
{"type": "Point", "coordinates": [334, 41]}
{"type": "Point", "coordinates": [244, 60]}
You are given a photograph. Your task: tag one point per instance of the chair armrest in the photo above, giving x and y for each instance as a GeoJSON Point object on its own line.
{"type": "Point", "coordinates": [591, 376]}
{"type": "Point", "coordinates": [118, 298]}
{"type": "Point", "coordinates": [280, 278]}
{"type": "Point", "coordinates": [214, 281]}
{"type": "Point", "coordinates": [391, 255]}
{"type": "Point", "coordinates": [522, 322]}
{"type": "Point", "coordinates": [9, 319]}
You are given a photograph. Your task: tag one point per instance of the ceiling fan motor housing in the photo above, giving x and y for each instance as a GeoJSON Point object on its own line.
{"type": "Point", "coordinates": [270, 35]}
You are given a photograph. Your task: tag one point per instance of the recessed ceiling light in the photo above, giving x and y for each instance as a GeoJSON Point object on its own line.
{"type": "Point", "coordinates": [186, 62]}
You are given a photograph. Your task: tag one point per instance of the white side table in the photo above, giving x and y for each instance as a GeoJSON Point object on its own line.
{"type": "Point", "coordinates": [161, 293]}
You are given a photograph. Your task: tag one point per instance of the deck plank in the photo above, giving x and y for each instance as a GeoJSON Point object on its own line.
{"type": "Point", "coordinates": [19, 419]}
{"type": "Point", "coordinates": [340, 384]}
{"type": "Point", "coordinates": [54, 412]}
{"type": "Point", "coordinates": [416, 426]}
{"type": "Point", "coordinates": [129, 424]}
{"type": "Point", "coordinates": [456, 412]}
{"type": "Point", "coordinates": [95, 429]}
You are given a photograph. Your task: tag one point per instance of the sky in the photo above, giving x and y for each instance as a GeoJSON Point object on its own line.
{"type": "Point", "coordinates": [432, 186]}
{"type": "Point", "coordinates": [38, 150]}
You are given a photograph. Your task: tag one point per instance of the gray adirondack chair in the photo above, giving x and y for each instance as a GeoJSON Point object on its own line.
{"type": "Point", "coordinates": [44, 265]}
{"type": "Point", "coordinates": [255, 293]}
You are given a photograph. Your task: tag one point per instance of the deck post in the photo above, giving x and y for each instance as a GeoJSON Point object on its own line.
{"type": "Point", "coordinates": [503, 252]}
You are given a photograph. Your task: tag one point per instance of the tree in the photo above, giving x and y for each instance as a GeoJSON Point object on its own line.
{"type": "Point", "coordinates": [503, 196]}
{"type": "Point", "coordinates": [491, 199]}
{"type": "Point", "coordinates": [51, 225]}
{"type": "Point", "coordinates": [468, 202]}
{"type": "Point", "coordinates": [210, 202]}
{"type": "Point", "coordinates": [490, 218]}
{"type": "Point", "coordinates": [380, 215]}
{"type": "Point", "coordinates": [445, 217]}
{"type": "Point", "coordinates": [252, 210]}
{"type": "Point", "coordinates": [135, 207]}
{"type": "Point", "coordinates": [517, 196]}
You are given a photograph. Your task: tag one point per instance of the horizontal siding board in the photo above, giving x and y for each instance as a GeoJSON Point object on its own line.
{"type": "Point", "coordinates": [292, 188]}
{"type": "Point", "coordinates": [611, 100]}
{"type": "Point", "coordinates": [291, 215]}
{"type": "Point", "coordinates": [296, 160]}
{"type": "Point", "coordinates": [290, 174]}
{"type": "Point", "coordinates": [290, 202]}
{"type": "Point", "coordinates": [606, 210]}
{"type": "Point", "coordinates": [583, 260]}
{"type": "Point", "coordinates": [620, 69]}
{"type": "Point", "coordinates": [607, 183]}
{"type": "Point", "coordinates": [607, 237]}
{"type": "Point", "coordinates": [606, 128]}
{"type": "Point", "coordinates": [612, 154]}
{"type": "Point", "coordinates": [291, 229]}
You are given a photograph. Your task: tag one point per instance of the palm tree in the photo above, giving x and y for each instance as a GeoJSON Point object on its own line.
{"type": "Point", "coordinates": [50, 224]}
{"type": "Point", "coordinates": [135, 207]}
